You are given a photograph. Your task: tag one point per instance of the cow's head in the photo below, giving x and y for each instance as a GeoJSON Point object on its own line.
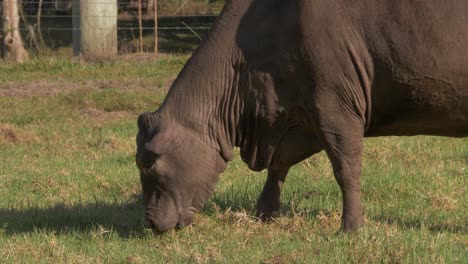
{"type": "Point", "coordinates": [178, 172]}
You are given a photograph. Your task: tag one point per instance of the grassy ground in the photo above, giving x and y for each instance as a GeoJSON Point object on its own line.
{"type": "Point", "coordinates": [70, 192]}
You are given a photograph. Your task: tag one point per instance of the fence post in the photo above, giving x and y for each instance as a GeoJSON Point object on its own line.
{"type": "Point", "coordinates": [156, 26]}
{"type": "Point", "coordinates": [140, 27]}
{"type": "Point", "coordinates": [95, 27]}
{"type": "Point", "coordinates": [76, 27]}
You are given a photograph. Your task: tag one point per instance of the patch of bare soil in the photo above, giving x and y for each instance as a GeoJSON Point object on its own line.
{"type": "Point", "coordinates": [13, 135]}
{"type": "Point", "coordinates": [8, 135]}
{"type": "Point", "coordinates": [130, 57]}
{"type": "Point", "coordinates": [119, 84]}
{"type": "Point", "coordinates": [50, 88]}
{"type": "Point", "coordinates": [37, 88]}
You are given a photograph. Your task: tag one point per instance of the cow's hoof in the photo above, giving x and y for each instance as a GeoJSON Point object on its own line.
{"type": "Point", "coordinates": [353, 224]}
{"type": "Point", "coordinates": [267, 217]}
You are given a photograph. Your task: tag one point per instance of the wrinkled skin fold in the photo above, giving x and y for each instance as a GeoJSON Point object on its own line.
{"type": "Point", "coordinates": [283, 80]}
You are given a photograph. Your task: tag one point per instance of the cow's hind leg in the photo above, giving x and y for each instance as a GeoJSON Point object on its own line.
{"type": "Point", "coordinates": [268, 204]}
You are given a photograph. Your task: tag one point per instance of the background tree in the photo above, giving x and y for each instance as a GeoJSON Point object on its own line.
{"type": "Point", "coordinates": [12, 44]}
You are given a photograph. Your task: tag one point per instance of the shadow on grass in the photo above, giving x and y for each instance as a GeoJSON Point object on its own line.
{"type": "Point", "coordinates": [125, 219]}
{"type": "Point", "coordinates": [437, 227]}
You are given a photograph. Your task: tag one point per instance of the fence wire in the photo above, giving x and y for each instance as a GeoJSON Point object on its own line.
{"type": "Point", "coordinates": [27, 15]}
{"type": "Point", "coordinates": [181, 23]}
{"type": "Point", "coordinates": [124, 28]}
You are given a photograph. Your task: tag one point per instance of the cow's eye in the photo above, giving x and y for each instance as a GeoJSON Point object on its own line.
{"type": "Point", "coordinates": [147, 163]}
{"type": "Point", "coordinates": [146, 159]}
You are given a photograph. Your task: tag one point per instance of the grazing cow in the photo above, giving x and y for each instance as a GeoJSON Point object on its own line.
{"type": "Point", "coordinates": [283, 80]}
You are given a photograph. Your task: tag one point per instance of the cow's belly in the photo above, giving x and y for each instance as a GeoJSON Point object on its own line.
{"type": "Point", "coordinates": [421, 125]}
{"type": "Point", "coordinates": [419, 106]}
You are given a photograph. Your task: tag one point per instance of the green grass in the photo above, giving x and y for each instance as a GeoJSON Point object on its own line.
{"type": "Point", "coordinates": [70, 191]}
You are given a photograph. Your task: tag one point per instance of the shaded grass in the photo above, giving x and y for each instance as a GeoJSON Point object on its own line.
{"type": "Point", "coordinates": [70, 192]}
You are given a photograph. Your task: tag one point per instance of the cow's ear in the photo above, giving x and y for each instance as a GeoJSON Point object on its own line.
{"type": "Point", "coordinates": [148, 123]}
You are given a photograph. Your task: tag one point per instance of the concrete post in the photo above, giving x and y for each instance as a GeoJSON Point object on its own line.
{"type": "Point", "coordinates": [95, 27]}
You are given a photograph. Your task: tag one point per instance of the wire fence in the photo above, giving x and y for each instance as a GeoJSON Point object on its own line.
{"type": "Point", "coordinates": [181, 23]}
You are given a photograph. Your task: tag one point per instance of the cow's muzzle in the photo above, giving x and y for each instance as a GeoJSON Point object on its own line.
{"type": "Point", "coordinates": [160, 226]}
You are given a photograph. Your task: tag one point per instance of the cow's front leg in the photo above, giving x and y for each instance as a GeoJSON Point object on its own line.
{"type": "Point", "coordinates": [269, 202]}
{"type": "Point", "coordinates": [298, 144]}
{"type": "Point", "coordinates": [344, 151]}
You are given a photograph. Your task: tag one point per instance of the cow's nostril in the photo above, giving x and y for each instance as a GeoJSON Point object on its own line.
{"type": "Point", "coordinates": [185, 219]}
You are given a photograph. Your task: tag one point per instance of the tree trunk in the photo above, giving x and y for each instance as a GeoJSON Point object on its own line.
{"type": "Point", "coordinates": [12, 44]}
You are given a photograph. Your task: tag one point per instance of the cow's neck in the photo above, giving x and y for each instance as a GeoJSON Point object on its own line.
{"type": "Point", "coordinates": [214, 100]}
{"type": "Point", "coordinates": [204, 99]}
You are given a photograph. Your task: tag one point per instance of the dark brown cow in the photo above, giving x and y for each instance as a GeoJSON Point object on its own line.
{"type": "Point", "coordinates": [283, 80]}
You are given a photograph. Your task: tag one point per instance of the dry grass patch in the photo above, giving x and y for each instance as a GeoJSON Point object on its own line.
{"type": "Point", "coordinates": [295, 257]}
{"type": "Point", "coordinates": [329, 221]}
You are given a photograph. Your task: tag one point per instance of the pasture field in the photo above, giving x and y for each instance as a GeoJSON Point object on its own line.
{"type": "Point", "coordinates": [70, 191]}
